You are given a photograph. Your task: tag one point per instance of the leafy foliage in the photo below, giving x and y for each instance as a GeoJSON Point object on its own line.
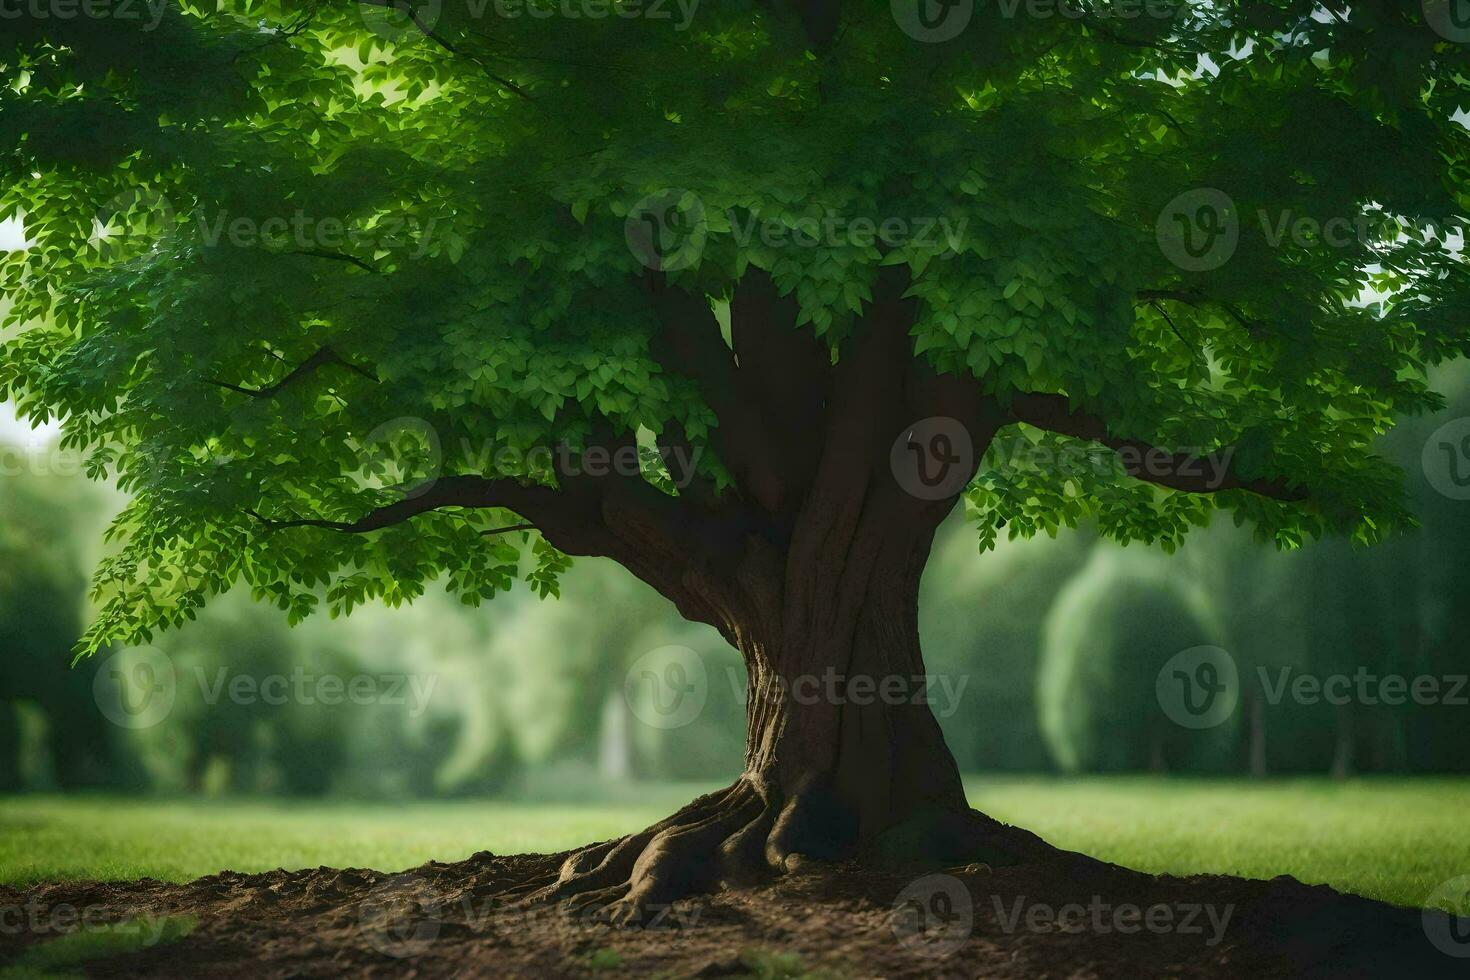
{"type": "Point", "coordinates": [260, 231]}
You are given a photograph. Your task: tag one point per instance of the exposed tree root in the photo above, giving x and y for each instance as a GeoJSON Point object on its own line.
{"type": "Point", "coordinates": [745, 833]}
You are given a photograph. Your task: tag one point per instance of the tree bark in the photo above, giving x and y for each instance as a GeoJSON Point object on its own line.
{"type": "Point", "coordinates": [844, 757]}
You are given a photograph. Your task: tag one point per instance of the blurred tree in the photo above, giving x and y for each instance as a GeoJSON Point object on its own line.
{"type": "Point", "coordinates": [46, 524]}
{"type": "Point", "coordinates": [767, 428]}
{"type": "Point", "coordinates": [981, 621]}
{"type": "Point", "coordinates": [1112, 630]}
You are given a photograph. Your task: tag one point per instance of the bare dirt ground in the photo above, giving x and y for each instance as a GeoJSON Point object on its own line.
{"type": "Point", "coordinates": [1073, 918]}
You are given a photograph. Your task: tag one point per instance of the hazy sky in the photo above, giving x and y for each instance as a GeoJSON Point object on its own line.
{"type": "Point", "coordinates": [13, 430]}
{"type": "Point", "coordinates": [12, 234]}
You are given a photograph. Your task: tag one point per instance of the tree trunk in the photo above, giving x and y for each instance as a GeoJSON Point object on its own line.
{"type": "Point", "coordinates": [844, 758]}
{"type": "Point", "coordinates": [812, 572]}
{"type": "Point", "coordinates": [1258, 737]}
{"type": "Point", "coordinates": [839, 726]}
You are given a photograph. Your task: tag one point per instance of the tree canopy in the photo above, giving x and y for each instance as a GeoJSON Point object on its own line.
{"type": "Point", "coordinates": [265, 238]}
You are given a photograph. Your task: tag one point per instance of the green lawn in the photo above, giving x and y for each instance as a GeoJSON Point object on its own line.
{"type": "Point", "coordinates": [1390, 839]}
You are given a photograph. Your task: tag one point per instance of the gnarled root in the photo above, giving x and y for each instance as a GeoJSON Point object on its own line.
{"type": "Point", "coordinates": [746, 832]}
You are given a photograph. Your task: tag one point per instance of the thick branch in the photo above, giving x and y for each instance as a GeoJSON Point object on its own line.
{"type": "Point", "coordinates": [689, 344]}
{"type": "Point", "coordinates": [1184, 472]}
{"type": "Point", "coordinates": [665, 541]}
{"type": "Point", "coordinates": [785, 371]}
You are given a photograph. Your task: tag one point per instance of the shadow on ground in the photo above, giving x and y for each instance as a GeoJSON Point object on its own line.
{"type": "Point", "coordinates": [1068, 918]}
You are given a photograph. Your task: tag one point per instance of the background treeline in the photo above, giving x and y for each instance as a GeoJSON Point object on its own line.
{"type": "Point", "coordinates": [1057, 644]}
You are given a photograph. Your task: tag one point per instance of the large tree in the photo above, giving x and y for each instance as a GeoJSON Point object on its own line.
{"type": "Point", "coordinates": [826, 271]}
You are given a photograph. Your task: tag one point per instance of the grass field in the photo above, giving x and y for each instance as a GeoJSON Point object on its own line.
{"type": "Point", "coordinates": [1394, 840]}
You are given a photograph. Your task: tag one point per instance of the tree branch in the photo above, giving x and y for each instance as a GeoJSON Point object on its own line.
{"type": "Point", "coordinates": [1197, 299]}
{"type": "Point", "coordinates": [1183, 472]}
{"type": "Point", "coordinates": [322, 253]}
{"type": "Point", "coordinates": [665, 541]}
{"type": "Point", "coordinates": [321, 358]}
{"type": "Point", "coordinates": [427, 30]}
{"type": "Point", "coordinates": [689, 344]}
